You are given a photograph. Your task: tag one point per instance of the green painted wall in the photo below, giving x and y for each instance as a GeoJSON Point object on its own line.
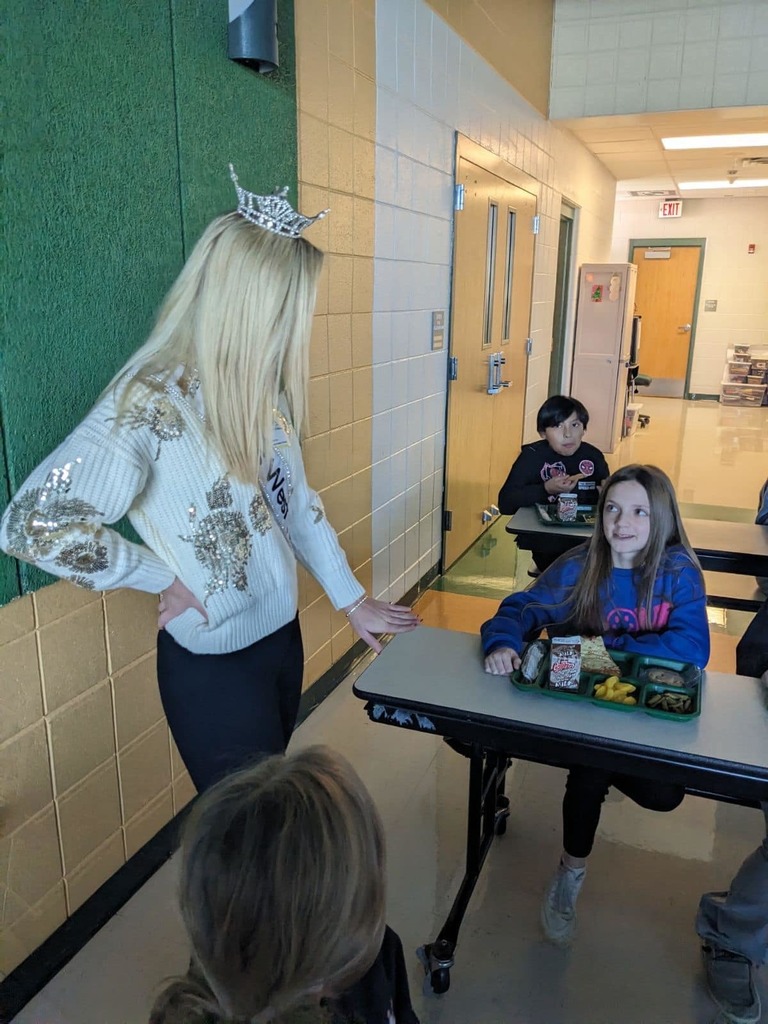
{"type": "Point", "coordinates": [123, 118]}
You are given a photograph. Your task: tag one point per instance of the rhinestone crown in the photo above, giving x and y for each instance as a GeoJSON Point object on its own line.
{"type": "Point", "coordinates": [273, 213]}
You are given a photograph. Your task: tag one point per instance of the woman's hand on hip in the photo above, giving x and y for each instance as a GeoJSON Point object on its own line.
{"type": "Point", "coordinates": [372, 616]}
{"type": "Point", "coordinates": [502, 661]}
{"type": "Point", "coordinates": [174, 600]}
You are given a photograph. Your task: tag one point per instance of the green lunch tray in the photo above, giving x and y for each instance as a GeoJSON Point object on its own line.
{"type": "Point", "coordinates": [585, 516]}
{"type": "Point", "coordinates": [634, 669]}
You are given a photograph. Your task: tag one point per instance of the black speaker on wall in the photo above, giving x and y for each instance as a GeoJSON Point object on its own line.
{"type": "Point", "coordinates": [252, 34]}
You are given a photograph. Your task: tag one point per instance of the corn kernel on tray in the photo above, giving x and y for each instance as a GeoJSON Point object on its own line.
{"type": "Point", "coordinates": [665, 689]}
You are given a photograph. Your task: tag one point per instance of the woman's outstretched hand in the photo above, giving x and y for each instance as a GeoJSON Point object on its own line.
{"type": "Point", "coordinates": [502, 661]}
{"type": "Point", "coordinates": [374, 616]}
{"type": "Point", "coordinates": [174, 600]}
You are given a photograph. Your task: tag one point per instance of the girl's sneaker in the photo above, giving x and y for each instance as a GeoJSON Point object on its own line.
{"type": "Point", "coordinates": [558, 911]}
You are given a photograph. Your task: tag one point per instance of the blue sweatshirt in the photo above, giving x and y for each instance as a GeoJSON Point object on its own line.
{"type": "Point", "coordinates": [678, 627]}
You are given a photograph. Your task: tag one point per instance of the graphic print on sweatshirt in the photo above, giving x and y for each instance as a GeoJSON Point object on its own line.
{"type": "Point", "coordinates": [552, 469]}
{"type": "Point", "coordinates": [635, 620]}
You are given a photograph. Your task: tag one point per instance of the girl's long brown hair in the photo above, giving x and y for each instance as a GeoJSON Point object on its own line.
{"type": "Point", "coordinates": [666, 528]}
{"type": "Point", "coordinates": [282, 892]}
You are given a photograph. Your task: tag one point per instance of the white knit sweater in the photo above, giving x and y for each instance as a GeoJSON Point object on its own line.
{"type": "Point", "coordinates": [234, 545]}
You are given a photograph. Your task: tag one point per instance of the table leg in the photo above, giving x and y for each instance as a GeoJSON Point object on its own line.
{"type": "Point", "coordinates": [487, 813]}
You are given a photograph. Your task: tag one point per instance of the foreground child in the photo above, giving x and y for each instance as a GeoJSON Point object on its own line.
{"type": "Point", "coordinates": [562, 462]}
{"type": "Point", "coordinates": [283, 896]}
{"type": "Point", "coordinates": [637, 584]}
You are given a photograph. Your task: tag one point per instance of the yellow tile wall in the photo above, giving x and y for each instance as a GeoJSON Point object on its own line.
{"type": "Point", "coordinates": [88, 772]}
{"type": "Point", "coordinates": [513, 36]}
{"type": "Point", "coordinates": [336, 85]}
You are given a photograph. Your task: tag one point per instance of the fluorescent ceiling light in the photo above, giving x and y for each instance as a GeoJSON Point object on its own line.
{"type": "Point", "coordinates": [738, 183]}
{"type": "Point", "coordinates": [716, 141]}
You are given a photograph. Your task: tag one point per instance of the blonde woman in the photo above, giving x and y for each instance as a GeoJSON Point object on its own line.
{"type": "Point", "coordinates": [282, 893]}
{"type": "Point", "coordinates": [196, 441]}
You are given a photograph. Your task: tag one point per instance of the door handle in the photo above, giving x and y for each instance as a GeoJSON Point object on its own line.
{"type": "Point", "coordinates": [495, 362]}
{"type": "Point", "coordinates": [684, 327]}
{"type": "Point", "coordinates": [487, 515]}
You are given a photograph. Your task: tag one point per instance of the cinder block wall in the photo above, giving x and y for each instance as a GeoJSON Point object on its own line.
{"type": "Point", "coordinates": [123, 119]}
{"type": "Point", "coordinates": [336, 89]}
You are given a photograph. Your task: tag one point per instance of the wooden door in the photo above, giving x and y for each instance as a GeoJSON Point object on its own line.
{"type": "Point", "coordinates": [665, 298]}
{"type": "Point", "coordinates": [492, 275]}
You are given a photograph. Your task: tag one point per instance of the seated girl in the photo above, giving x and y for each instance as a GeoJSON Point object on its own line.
{"type": "Point", "coordinates": [283, 893]}
{"type": "Point", "coordinates": [637, 584]}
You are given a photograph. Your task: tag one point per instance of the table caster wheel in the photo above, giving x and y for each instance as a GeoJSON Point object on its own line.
{"type": "Point", "coordinates": [440, 980]}
{"type": "Point", "coordinates": [437, 973]}
{"type": "Point", "coordinates": [502, 813]}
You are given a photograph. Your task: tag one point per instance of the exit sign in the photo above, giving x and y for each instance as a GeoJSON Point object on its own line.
{"type": "Point", "coordinates": [671, 208]}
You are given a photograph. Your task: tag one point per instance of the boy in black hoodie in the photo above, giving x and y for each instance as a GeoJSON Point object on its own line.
{"type": "Point", "coordinates": [561, 463]}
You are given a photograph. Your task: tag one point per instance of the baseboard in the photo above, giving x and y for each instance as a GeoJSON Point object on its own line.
{"type": "Point", "coordinates": [26, 980]}
{"type": "Point", "coordinates": [58, 949]}
{"type": "Point", "coordinates": [694, 396]}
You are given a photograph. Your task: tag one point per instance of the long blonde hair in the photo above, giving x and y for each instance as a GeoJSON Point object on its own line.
{"type": "Point", "coordinates": [239, 313]}
{"type": "Point", "coordinates": [282, 891]}
{"type": "Point", "coordinates": [666, 528]}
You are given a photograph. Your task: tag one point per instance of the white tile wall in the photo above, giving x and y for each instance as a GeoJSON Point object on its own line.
{"type": "Point", "coordinates": [429, 85]}
{"type": "Point", "coordinates": [730, 275]}
{"type": "Point", "coordinates": [629, 56]}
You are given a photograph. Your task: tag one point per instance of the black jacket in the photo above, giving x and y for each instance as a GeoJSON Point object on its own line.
{"type": "Point", "coordinates": [537, 463]}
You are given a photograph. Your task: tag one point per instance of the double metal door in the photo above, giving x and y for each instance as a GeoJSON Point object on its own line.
{"type": "Point", "coordinates": [492, 283]}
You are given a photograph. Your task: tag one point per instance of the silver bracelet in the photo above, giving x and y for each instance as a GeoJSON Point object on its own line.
{"type": "Point", "coordinates": [360, 601]}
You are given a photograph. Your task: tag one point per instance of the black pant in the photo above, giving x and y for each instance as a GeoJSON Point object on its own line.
{"type": "Point", "coordinates": [752, 649]}
{"type": "Point", "coordinates": [544, 550]}
{"type": "Point", "coordinates": [587, 788]}
{"type": "Point", "coordinates": [227, 710]}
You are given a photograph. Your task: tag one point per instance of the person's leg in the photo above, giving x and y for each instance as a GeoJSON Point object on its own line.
{"type": "Point", "coordinates": [752, 648]}
{"type": "Point", "coordinates": [654, 796]}
{"type": "Point", "coordinates": [226, 710]}
{"type": "Point", "coordinates": [585, 791]}
{"type": "Point", "coordinates": [289, 651]}
{"type": "Point", "coordinates": [734, 928]}
{"type": "Point", "coordinates": [546, 550]}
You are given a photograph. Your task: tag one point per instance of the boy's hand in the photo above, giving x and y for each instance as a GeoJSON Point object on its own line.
{"type": "Point", "coordinates": [562, 484]}
{"type": "Point", "coordinates": [502, 661]}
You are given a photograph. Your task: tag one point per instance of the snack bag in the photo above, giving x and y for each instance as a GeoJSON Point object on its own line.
{"type": "Point", "coordinates": [564, 663]}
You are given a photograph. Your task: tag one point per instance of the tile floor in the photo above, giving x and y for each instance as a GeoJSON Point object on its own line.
{"type": "Point", "coordinates": [635, 960]}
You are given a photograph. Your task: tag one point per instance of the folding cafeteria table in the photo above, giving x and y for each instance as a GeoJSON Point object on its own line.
{"type": "Point", "coordinates": [432, 680]}
{"type": "Point", "coordinates": [721, 546]}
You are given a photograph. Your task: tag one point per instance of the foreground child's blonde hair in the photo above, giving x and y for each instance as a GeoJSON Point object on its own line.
{"type": "Point", "coordinates": [240, 313]}
{"type": "Point", "coordinates": [282, 891]}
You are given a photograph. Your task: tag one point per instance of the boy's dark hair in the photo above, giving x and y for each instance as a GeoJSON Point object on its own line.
{"type": "Point", "coordinates": [557, 409]}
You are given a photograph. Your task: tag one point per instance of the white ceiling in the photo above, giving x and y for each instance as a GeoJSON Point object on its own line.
{"type": "Point", "coordinates": [630, 147]}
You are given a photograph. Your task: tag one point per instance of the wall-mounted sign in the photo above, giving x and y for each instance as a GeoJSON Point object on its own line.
{"type": "Point", "coordinates": [671, 208]}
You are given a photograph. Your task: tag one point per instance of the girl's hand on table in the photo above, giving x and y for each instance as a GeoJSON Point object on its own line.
{"type": "Point", "coordinates": [174, 600]}
{"type": "Point", "coordinates": [502, 661]}
{"type": "Point", "coordinates": [372, 616]}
